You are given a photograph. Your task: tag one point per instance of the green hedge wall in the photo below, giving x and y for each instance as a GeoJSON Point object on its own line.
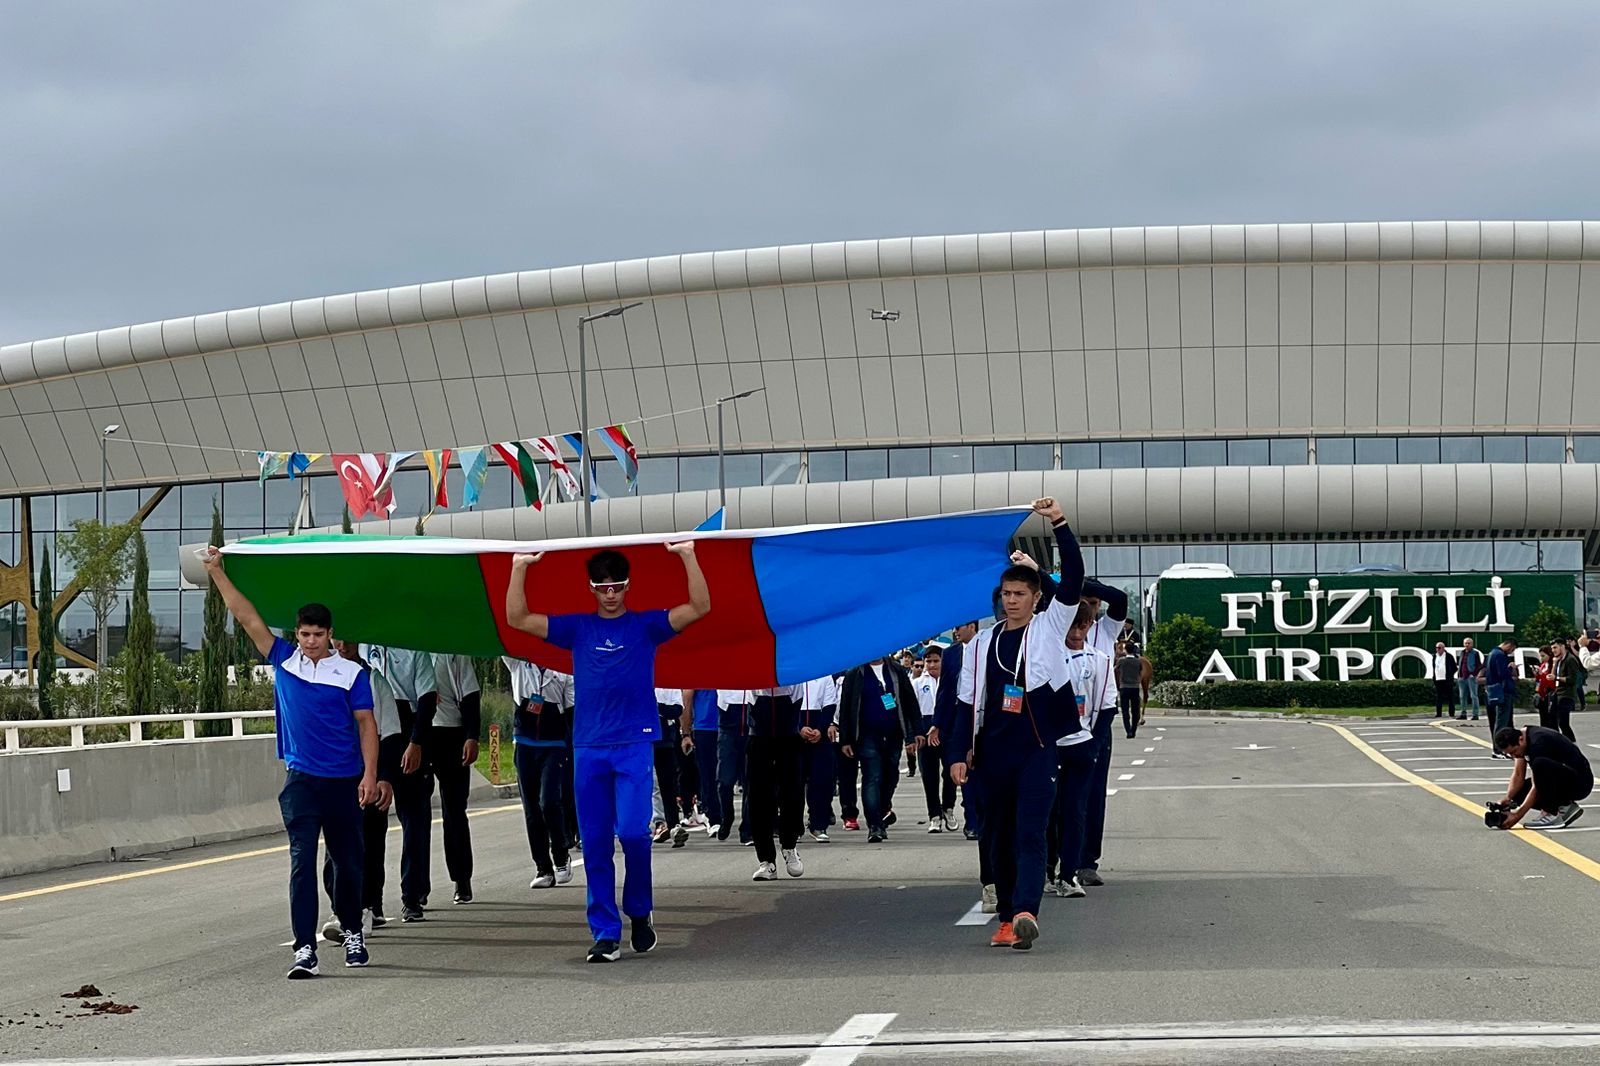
{"type": "Point", "coordinates": [1280, 695]}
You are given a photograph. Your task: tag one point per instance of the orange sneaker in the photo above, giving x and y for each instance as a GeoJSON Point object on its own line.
{"type": "Point", "coordinates": [1004, 937]}
{"type": "Point", "coordinates": [1024, 931]}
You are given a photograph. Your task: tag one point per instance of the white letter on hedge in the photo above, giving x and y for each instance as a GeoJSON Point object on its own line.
{"type": "Point", "coordinates": [1216, 669]}
{"type": "Point", "coordinates": [1353, 662]}
{"type": "Point", "coordinates": [1241, 606]}
{"type": "Point", "coordinates": [1299, 664]}
{"type": "Point", "coordinates": [1393, 624]}
{"type": "Point", "coordinates": [1499, 593]}
{"type": "Point", "coordinates": [1386, 670]}
{"type": "Point", "coordinates": [1452, 622]}
{"type": "Point", "coordinates": [1352, 599]}
{"type": "Point", "coordinates": [1260, 655]}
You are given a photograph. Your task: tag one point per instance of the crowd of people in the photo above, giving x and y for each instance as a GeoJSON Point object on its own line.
{"type": "Point", "coordinates": [1009, 728]}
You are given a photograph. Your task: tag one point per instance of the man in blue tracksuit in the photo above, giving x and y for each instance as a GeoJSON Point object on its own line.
{"type": "Point", "coordinates": [614, 728]}
{"type": "Point", "coordinates": [1014, 702]}
{"type": "Point", "coordinates": [703, 744]}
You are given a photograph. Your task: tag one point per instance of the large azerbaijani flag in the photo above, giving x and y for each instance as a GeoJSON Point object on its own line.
{"type": "Point", "coordinates": [787, 605]}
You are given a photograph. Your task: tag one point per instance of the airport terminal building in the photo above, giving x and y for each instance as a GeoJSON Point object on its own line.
{"type": "Point", "coordinates": [1286, 399]}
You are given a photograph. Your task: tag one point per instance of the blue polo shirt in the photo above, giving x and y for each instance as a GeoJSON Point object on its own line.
{"type": "Point", "coordinates": [316, 705]}
{"type": "Point", "coordinates": [613, 674]}
{"type": "Point", "coordinates": [705, 709]}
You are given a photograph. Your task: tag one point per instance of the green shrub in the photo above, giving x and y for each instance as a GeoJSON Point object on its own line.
{"type": "Point", "coordinates": [1545, 625]}
{"type": "Point", "coordinates": [1288, 695]}
{"type": "Point", "coordinates": [1180, 647]}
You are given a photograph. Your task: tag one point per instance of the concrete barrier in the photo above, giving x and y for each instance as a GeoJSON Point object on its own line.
{"type": "Point", "coordinates": [128, 800]}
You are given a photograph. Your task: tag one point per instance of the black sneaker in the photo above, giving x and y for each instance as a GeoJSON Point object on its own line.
{"type": "Point", "coordinates": [970, 834]}
{"type": "Point", "coordinates": [889, 819]}
{"type": "Point", "coordinates": [412, 912]}
{"type": "Point", "coordinates": [463, 892]}
{"type": "Point", "coordinates": [877, 836]}
{"type": "Point", "coordinates": [305, 964]}
{"type": "Point", "coordinates": [643, 938]}
{"type": "Point", "coordinates": [355, 949]}
{"type": "Point", "coordinates": [605, 951]}
{"type": "Point", "coordinates": [1090, 877]}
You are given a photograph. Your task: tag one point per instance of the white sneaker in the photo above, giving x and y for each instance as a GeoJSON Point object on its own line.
{"type": "Point", "coordinates": [951, 825]}
{"type": "Point", "coordinates": [820, 836]}
{"type": "Point", "coordinates": [1071, 889]}
{"type": "Point", "coordinates": [1569, 814]}
{"type": "Point", "coordinates": [935, 824]}
{"type": "Point", "coordinates": [332, 931]}
{"type": "Point", "coordinates": [713, 830]}
{"type": "Point", "coordinates": [543, 881]}
{"type": "Point", "coordinates": [767, 871]}
{"type": "Point", "coordinates": [991, 900]}
{"type": "Point", "coordinates": [564, 873]}
{"type": "Point", "coordinates": [792, 863]}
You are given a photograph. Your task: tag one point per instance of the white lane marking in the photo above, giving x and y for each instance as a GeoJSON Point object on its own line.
{"type": "Point", "coordinates": [1429, 747]}
{"type": "Point", "coordinates": [1443, 769]}
{"type": "Point", "coordinates": [1491, 781]}
{"type": "Point", "coordinates": [1160, 729]}
{"type": "Point", "coordinates": [1429, 758]}
{"type": "Point", "coordinates": [1224, 788]}
{"type": "Point", "coordinates": [1137, 762]}
{"type": "Point", "coordinates": [1575, 829]}
{"type": "Point", "coordinates": [1147, 751]}
{"type": "Point", "coordinates": [849, 1040]}
{"type": "Point", "coordinates": [1255, 747]}
{"type": "Point", "coordinates": [1111, 792]}
{"type": "Point", "coordinates": [1124, 777]}
{"type": "Point", "coordinates": [975, 916]}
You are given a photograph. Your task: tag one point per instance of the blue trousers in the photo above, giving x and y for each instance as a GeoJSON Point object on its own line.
{"type": "Point", "coordinates": [1019, 789]}
{"type": "Point", "coordinates": [1469, 694]}
{"type": "Point", "coordinates": [315, 806]}
{"type": "Point", "coordinates": [705, 760]}
{"type": "Point", "coordinates": [614, 783]}
{"type": "Point", "coordinates": [1075, 779]}
{"type": "Point", "coordinates": [730, 770]}
{"type": "Point", "coordinates": [1094, 829]}
{"type": "Point", "coordinates": [821, 769]}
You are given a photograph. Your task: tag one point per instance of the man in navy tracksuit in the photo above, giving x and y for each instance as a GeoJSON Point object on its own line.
{"type": "Point", "coordinates": [878, 720]}
{"type": "Point", "coordinates": [772, 779]}
{"type": "Point", "coordinates": [1104, 632]}
{"type": "Point", "coordinates": [1016, 699]}
{"type": "Point", "coordinates": [819, 708]}
{"type": "Point", "coordinates": [732, 727]}
{"type": "Point", "coordinates": [704, 747]}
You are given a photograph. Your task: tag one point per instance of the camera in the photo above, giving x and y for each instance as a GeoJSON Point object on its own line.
{"type": "Point", "coordinates": [1495, 816]}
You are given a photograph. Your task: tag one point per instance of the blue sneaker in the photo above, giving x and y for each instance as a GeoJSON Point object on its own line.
{"type": "Point", "coordinates": [355, 949]}
{"type": "Point", "coordinates": [305, 964]}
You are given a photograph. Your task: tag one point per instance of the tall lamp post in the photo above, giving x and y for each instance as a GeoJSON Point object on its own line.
{"type": "Point", "coordinates": [583, 407]}
{"type": "Point", "coordinates": [101, 515]}
{"type": "Point", "coordinates": [722, 458]}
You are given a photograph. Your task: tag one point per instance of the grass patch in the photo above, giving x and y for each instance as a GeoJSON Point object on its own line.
{"type": "Point", "coordinates": [508, 765]}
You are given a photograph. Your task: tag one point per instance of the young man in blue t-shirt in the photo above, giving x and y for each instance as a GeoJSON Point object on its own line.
{"type": "Point", "coordinates": [614, 727]}
{"type": "Point", "coordinates": [328, 740]}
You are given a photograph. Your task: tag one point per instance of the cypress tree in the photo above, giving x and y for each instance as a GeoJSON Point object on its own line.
{"type": "Point", "coordinates": [139, 666]}
{"type": "Point", "coordinates": [215, 649]}
{"type": "Point", "coordinates": [44, 606]}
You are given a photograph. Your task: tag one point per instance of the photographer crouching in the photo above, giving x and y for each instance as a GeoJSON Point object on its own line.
{"type": "Point", "coordinates": [1551, 773]}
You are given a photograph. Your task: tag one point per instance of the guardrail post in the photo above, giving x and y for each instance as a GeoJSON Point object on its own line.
{"type": "Point", "coordinates": [135, 732]}
{"type": "Point", "coordinates": [188, 729]}
{"type": "Point", "coordinates": [238, 726]}
{"type": "Point", "coordinates": [13, 739]}
{"type": "Point", "coordinates": [77, 736]}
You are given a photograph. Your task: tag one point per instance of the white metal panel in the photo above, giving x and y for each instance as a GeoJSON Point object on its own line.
{"type": "Point", "coordinates": [1197, 499]}
{"type": "Point", "coordinates": [560, 394]}
{"type": "Point", "coordinates": [905, 336]}
{"type": "Point", "coordinates": [915, 393]}
{"type": "Point", "coordinates": [922, 496]}
{"type": "Point", "coordinates": [466, 417]}
{"type": "Point", "coordinates": [1099, 322]}
{"type": "Point", "coordinates": [1508, 494]}
{"type": "Point", "coordinates": [1335, 497]}
{"type": "Point", "coordinates": [1006, 392]}
{"type": "Point", "coordinates": [1394, 303]}
{"type": "Point", "coordinates": [1261, 388]}
{"type": "Point", "coordinates": [1543, 489]}
{"type": "Point", "coordinates": [1489, 406]}
{"type": "Point", "coordinates": [966, 315]}
{"type": "Point", "coordinates": [1474, 501]}
{"type": "Point", "coordinates": [849, 405]}
{"type": "Point", "coordinates": [705, 329]}
{"type": "Point", "coordinates": [321, 363]}
{"type": "Point", "coordinates": [1231, 388]}
{"type": "Point", "coordinates": [1558, 399]}
{"type": "Point", "coordinates": [1404, 493]}
{"type": "Point", "coordinates": [1294, 304]}
{"type": "Point", "coordinates": [753, 417]}
{"type": "Point", "coordinates": [738, 327]}
{"type": "Point", "coordinates": [173, 417]}
{"type": "Point", "coordinates": [1588, 326]}
{"type": "Point", "coordinates": [871, 337]}
{"type": "Point", "coordinates": [62, 395]}
{"type": "Point", "coordinates": [1427, 303]}
{"type": "Point", "coordinates": [1460, 384]}
{"type": "Point", "coordinates": [1100, 373]}
{"type": "Point", "coordinates": [1427, 385]}
{"type": "Point", "coordinates": [855, 497]}
{"type": "Point", "coordinates": [143, 424]}
{"type": "Point", "coordinates": [1522, 384]}
{"type": "Point", "coordinates": [1361, 386]}
{"type": "Point", "coordinates": [1561, 302]}
{"type": "Point", "coordinates": [1527, 301]}
{"type": "Point", "coordinates": [1195, 311]}
{"type": "Point", "coordinates": [337, 417]}
{"type": "Point", "coordinates": [1038, 391]}
{"type": "Point", "coordinates": [253, 363]}
{"type": "Point", "coordinates": [1033, 312]}
{"type": "Point", "coordinates": [772, 325]}
{"type": "Point", "coordinates": [1128, 295]}
{"type": "Point", "coordinates": [1094, 501]}
{"type": "Point", "coordinates": [1072, 400]}
{"type": "Point", "coordinates": [805, 323]}
{"type": "Point", "coordinates": [416, 349]}
{"type": "Point", "coordinates": [1494, 303]}
{"type": "Point", "coordinates": [127, 385]}
{"type": "Point", "coordinates": [527, 407]}
{"type": "Point", "coordinates": [672, 329]}
{"type": "Point", "coordinates": [31, 398]}
{"type": "Point", "coordinates": [1128, 501]}
{"type": "Point", "coordinates": [972, 382]}
{"type": "Point", "coordinates": [1199, 390]}
{"type": "Point", "coordinates": [1133, 390]}
{"type": "Point", "coordinates": [1166, 392]}
{"type": "Point", "coordinates": [1294, 386]}
{"type": "Point", "coordinates": [1327, 304]}
{"type": "Point", "coordinates": [878, 389]}
{"type": "Point", "coordinates": [94, 388]}
{"type": "Point", "coordinates": [1301, 487]}
{"type": "Point", "coordinates": [383, 348]}
{"type": "Point", "coordinates": [1227, 305]}
{"type": "Point", "coordinates": [1264, 509]}
{"type": "Point", "coordinates": [450, 349]}
{"type": "Point", "coordinates": [483, 349]}
{"type": "Point", "coordinates": [999, 313]}
{"type": "Point", "coordinates": [371, 425]}
{"type": "Point", "coordinates": [815, 403]}
{"type": "Point", "coordinates": [1233, 498]}
{"type": "Point", "coordinates": [838, 325]}
{"type": "Point", "coordinates": [1066, 311]}
{"type": "Point", "coordinates": [1460, 303]}
{"type": "Point", "coordinates": [1394, 385]}
{"type": "Point", "coordinates": [161, 381]}
{"type": "Point", "coordinates": [1163, 307]}
{"type": "Point", "coordinates": [1261, 304]}
{"type": "Point", "coordinates": [789, 503]}
{"type": "Point", "coordinates": [400, 411]}
{"type": "Point", "coordinates": [511, 337]}
{"type": "Point", "coordinates": [1370, 498]}
{"type": "Point", "coordinates": [1580, 496]}
{"type": "Point", "coordinates": [1162, 486]}
{"type": "Point", "coordinates": [1361, 303]}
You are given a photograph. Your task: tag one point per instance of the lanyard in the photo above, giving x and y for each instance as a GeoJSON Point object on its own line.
{"type": "Point", "coordinates": [1021, 661]}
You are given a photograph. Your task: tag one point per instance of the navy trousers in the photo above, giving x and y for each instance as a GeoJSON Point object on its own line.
{"type": "Point", "coordinates": [315, 806]}
{"type": "Point", "coordinates": [1095, 823]}
{"type": "Point", "coordinates": [1019, 788]}
{"type": "Point", "coordinates": [705, 760]}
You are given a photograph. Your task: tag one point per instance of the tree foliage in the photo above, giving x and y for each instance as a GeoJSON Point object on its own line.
{"type": "Point", "coordinates": [45, 607]}
{"type": "Point", "coordinates": [1546, 625]}
{"type": "Point", "coordinates": [1180, 646]}
{"type": "Point", "coordinates": [215, 648]}
{"type": "Point", "coordinates": [139, 649]}
{"type": "Point", "coordinates": [101, 556]}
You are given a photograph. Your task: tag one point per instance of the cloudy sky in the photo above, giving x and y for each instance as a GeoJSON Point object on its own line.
{"type": "Point", "coordinates": [165, 159]}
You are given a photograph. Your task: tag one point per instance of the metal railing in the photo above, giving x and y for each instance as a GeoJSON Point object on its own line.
{"type": "Point", "coordinates": [135, 722]}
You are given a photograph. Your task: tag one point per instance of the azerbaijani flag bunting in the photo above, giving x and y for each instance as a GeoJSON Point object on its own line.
{"type": "Point", "coordinates": [515, 454]}
{"type": "Point", "coordinates": [616, 438]}
{"type": "Point", "coordinates": [787, 605]}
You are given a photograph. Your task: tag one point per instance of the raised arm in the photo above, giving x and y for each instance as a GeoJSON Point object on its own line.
{"type": "Point", "coordinates": [244, 612]}
{"type": "Point", "coordinates": [699, 605]}
{"type": "Point", "coordinates": [517, 614]}
{"type": "Point", "coordinates": [1116, 600]}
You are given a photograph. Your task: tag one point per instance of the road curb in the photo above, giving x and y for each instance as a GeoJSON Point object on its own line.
{"type": "Point", "coordinates": [1196, 712]}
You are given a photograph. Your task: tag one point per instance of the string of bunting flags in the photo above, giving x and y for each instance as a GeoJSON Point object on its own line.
{"type": "Point", "coordinates": [366, 478]}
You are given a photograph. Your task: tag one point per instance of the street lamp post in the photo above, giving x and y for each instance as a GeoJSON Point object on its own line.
{"type": "Point", "coordinates": [722, 458]}
{"type": "Point", "coordinates": [101, 515]}
{"type": "Point", "coordinates": [583, 407]}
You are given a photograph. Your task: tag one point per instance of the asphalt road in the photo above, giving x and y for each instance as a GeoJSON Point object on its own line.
{"type": "Point", "coordinates": [1276, 890]}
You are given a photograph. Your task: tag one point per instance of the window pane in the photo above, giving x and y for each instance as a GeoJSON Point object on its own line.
{"type": "Point", "coordinates": [1376, 450]}
{"type": "Point", "coordinates": [1289, 451]}
{"type": "Point", "coordinates": [1563, 554]}
{"type": "Point", "coordinates": [1206, 553]}
{"type": "Point", "coordinates": [198, 501]}
{"type": "Point", "coordinates": [1118, 453]}
{"type": "Point", "coordinates": [1427, 556]}
{"type": "Point", "coordinates": [1514, 555]}
{"type": "Point", "coordinates": [42, 510]}
{"type": "Point", "coordinates": [1250, 558]}
{"type": "Point", "coordinates": [327, 503]}
{"type": "Point", "coordinates": [8, 556]}
{"type": "Point", "coordinates": [413, 494]}
{"type": "Point", "coordinates": [75, 628]}
{"type": "Point", "coordinates": [1471, 555]}
{"type": "Point", "coordinates": [866, 464]}
{"type": "Point", "coordinates": [242, 503]}
{"type": "Point", "coordinates": [161, 547]}
{"type": "Point", "coordinates": [283, 496]}
{"type": "Point", "coordinates": [1163, 453]}
{"type": "Point", "coordinates": [1117, 559]}
{"type": "Point", "coordinates": [909, 462]}
{"type": "Point", "coordinates": [72, 506]}
{"type": "Point", "coordinates": [1586, 449]}
{"type": "Point", "coordinates": [1036, 457]}
{"type": "Point", "coordinates": [1505, 449]}
{"type": "Point", "coordinates": [164, 608]}
{"type": "Point", "coordinates": [1547, 449]}
{"type": "Point", "coordinates": [825, 466]}
{"type": "Point", "coordinates": [191, 619]}
{"type": "Point", "coordinates": [1205, 453]}
{"type": "Point", "coordinates": [1153, 560]}
{"type": "Point", "coordinates": [1294, 558]}
{"type": "Point", "coordinates": [780, 468]}
{"type": "Point", "coordinates": [743, 470]}
{"type": "Point", "coordinates": [1419, 450]}
{"type": "Point", "coordinates": [1080, 455]}
{"type": "Point", "coordinates": [500, 490]}
{"type": "Point", "coordinates": [1336, 451]}
{"type": "Point", "coordinates": [1461, 449]}
{"type": "Point", "coordinates": [608, 478]}
{"type": "Point", "coordinates": [990, 458]}
{"type": "Point", "coordinates": [1383, 553]}
{"type": "Point", "coordinates": [952, 460]}
{"type": "Point", "coordinates": [697, 472]}
{"type": "Point", "coordinates": [1332, 558]}
{"type": "Point", "coordinates": [1248, 453]}
{"type": "Point", "coordinates": [657, 474]}
{"type": "Point", "coordinates": [121, 506]}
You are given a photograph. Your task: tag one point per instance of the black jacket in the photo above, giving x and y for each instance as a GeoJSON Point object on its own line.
{"type": "Point", "coordinates": [898, 681]}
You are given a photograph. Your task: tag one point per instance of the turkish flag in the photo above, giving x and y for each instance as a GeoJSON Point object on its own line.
{"type": "Point", "coordinates": [364, 480]}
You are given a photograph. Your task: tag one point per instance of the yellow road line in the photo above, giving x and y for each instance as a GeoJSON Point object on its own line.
{"type": "Point", "coordinates": [1453, 731]}
{"type": "Point", "coordinates": [1581, 863]}
{"type": "Point", "coordinates": [196, 863]}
